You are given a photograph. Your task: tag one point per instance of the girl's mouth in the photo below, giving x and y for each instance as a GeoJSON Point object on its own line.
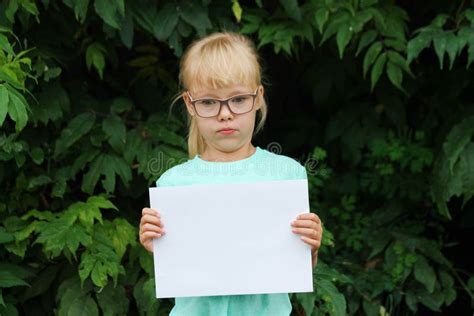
{"type": "Point", "coordinates": [226, 131]}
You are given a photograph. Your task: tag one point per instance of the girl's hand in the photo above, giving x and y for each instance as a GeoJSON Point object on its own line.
{"type": "Point", "coordinates": [309, 226]}
{"type": "Point", "coordinates": [151, 227]}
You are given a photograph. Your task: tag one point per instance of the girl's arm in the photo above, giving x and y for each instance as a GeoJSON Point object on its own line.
{"type": "Point", "coordinates": [315, 258]}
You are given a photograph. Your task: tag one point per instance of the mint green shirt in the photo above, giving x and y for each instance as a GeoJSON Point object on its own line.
{"type": "Point", "coordinates": [262, 165]}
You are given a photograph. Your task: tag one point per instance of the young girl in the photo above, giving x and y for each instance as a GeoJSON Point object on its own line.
{"type": "Point", "coordinates": [220, 74]}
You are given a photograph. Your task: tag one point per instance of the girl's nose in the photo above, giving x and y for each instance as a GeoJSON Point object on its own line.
{"type": "Point", "coordinates": [225, 112]}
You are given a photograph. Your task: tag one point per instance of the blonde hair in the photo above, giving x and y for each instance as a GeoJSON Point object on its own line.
{"type": "Point", "coordinates": [218, 60]}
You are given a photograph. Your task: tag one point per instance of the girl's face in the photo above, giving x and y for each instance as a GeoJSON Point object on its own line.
{"type": "Point", "coordinates": [242, 124]}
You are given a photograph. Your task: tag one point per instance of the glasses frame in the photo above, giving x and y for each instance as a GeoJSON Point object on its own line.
{"type": "Point", "coordinates": [224, 101]}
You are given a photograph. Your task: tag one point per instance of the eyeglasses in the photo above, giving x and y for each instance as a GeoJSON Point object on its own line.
{"type": "Point", "coordinates": [238, 104]}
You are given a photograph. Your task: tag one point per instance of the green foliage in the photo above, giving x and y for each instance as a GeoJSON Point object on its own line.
{"type": "Point", "coordinates": [386, 128]}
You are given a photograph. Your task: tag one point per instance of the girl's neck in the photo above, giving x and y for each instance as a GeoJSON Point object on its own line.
{"type": "Point", "coordinates": [213, 154]}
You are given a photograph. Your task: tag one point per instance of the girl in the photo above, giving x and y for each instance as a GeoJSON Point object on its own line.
{"type": "Point", "coordinates": [220, 74]}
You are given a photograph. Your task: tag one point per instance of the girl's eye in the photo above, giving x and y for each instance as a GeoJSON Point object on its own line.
{"type": "Point", "coordinates": [208, 102]}
{"type": "Point", "coordinates": [239, 99]}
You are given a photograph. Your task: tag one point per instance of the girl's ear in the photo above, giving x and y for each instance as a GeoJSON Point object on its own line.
{"type": "Point", "coordinates": [189, 106]}
{"type": "Point", "coordinates": [260, 99]}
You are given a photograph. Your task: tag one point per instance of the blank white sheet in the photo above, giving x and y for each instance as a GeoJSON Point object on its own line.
{"type": "Point", "coordinates": [231, 239]}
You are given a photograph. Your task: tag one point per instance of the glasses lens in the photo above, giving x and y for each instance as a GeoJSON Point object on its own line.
{"type": "Point", "coordinates": [241, 103]}
{"type": "Point", "coordinates": [207, 107]}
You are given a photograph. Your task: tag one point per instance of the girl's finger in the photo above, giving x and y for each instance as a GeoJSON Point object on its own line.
{"type": "Point", "coordinates": [304, 223]}
{"type": "Point", "coordinates": [152, 228]}
{"type": "Point", "coordinates": [308, 232]}
{"type": "Point", "coordinates": [151, 219]}
{"type": "Point", "coordinates": [315, 244]}
{"type": "Point", "coordinates": [148, 235]}
{"type": "Point", "coordinates": [150, 211]}
{"type": "Point", "coordinates": [310, 216]}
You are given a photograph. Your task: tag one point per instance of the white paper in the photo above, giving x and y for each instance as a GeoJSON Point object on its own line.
{"type": "Point", "coordinates": [231, 239]}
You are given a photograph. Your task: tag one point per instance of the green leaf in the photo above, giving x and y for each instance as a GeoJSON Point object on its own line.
{"type": "Point", "coordinates": [237, 10]}
{"type": "Point", "coordinates": [470, 56]}
{"type": "Point", "coordinates": [307, 300]}
{"type": "Point", "coordinates": [100, 261]}
{"type": "Point", "coordinates": [417, 44]}
{"type": "Point", "coordinates": [336, 301]}
{"type": "Point", "coordinates": [395, 44]}
{"type": "Point", "coordinates": [37, 154]}
{"type": "Point", "coordinates": [292, 9]}
{"type": "Point", "coordinates": [17, 112]}
{"type": "Point", "coordinates": [11, 10]}
{"type": "Point", "coordinates": [53, 101]}
{"type": "Point", "coordinates": [111, 11]}
{"type": "Point", "coordinates": [120, 105]}
{"type": "Point", "coordinates": [457, 139]}
{"type": "Point", "coordinates": [126, 33]}
{"type": "Point", "coordinates": [101, 202]}
{"type": "Point", "coordinates": [367, 3]}
{"type": "Point", "coordinates": [82, 160]}
{"type": "Point", "coordinates": [394, 25]}
{"type": "Point", "coordinates": [5, 45]}
{"type": "Point", "coordinates": [80, 8]}
{"type": "Point", "coordinates": [343, 38]}
{"type": "Point", "coordinates": [195, 14]}
{"type": "Point", "coordinates": [365, 40]}
{"type": "Point", "coordinates": [75, 300]}
{"type": "Point", "coordinates": [467, 170]}
{"type": "Point", "coordinates": [8, 279]}
{"type": "Point", "coordinates": [121, 235]}
{"type": "Point", "coordinates": [9, 309]}
{"type": "Point", "coordinates": [394, 73]}
{"type": "Point", "coordinates": [440, 43]}
{"type": "Point", "coordinates": [90, 179]}
{"type": "Point", "coordinates": [4, 101]}
{"type": "Point", "coordinates": [87, 213]}
{"type": "Point", "coordinates": [145, 297]}
{"type": "Point", "coordinates": [37, 182]}
{"type": "Point", "coordinates": [5, 237]}
{"type": "Point", "coordinates": [398, 60]}
{"type": "Point", "coordinates": [425, 274]}
{"type": "Point", "coordinates": [432, 301]}
{"type": "Point", "coordinates": [377, 70]}
{"type": "Point", "coordinates": [166, 21]}
{"type": "Point", "coordinates": [61, 234]}
{"type": "Point", "coordinates": [321, 16]}
{"type": "Point", "coordinates": [84, 306]}
{"type": "Point", "coordinates": [45, 215]}
{"type": "Point", "coordinates": [30, 7]}
{"type": "Point", "coordinates": [108, 165]}
{"type": "Point", "coordinates": [76, 129]}
{"type": "Point", "coordinates": [95, 56]}
{"type": "Point", "coordinates": [165, 135]}
{"type": "Point", "coordinates": [469, 13]}
{"type": "Point", "coordinates": [465, 35]}
{"type": "Point", "coordinates": [113, 300]}
{"type": "Point", "coordinates": [42, 282]}
{"type": "Point", "coordinates": [440, 20]}
{"type": "Point", "coordinates": [446, 279]}
{"type": "Point", "coordinates": [114, 128]}
{"type": "Point", "coordinates": [451, 47]}
{"type": "Point", "coordinates": [371, 55]}
{"type": "Point", "coordinates": [334, 24]}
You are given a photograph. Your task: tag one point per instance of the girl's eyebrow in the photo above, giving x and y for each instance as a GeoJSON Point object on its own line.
{"type": "Point", "coordinates": [235, 92]}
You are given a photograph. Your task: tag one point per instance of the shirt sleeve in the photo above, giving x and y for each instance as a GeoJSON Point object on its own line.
{"type": "Point", "coordinates": [303, 174]}
{"type": "Point", "coordinates": [162, 180]}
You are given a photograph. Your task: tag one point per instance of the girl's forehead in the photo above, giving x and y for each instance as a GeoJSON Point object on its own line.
{"type": "Point", "coordinates": [220, 92]}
